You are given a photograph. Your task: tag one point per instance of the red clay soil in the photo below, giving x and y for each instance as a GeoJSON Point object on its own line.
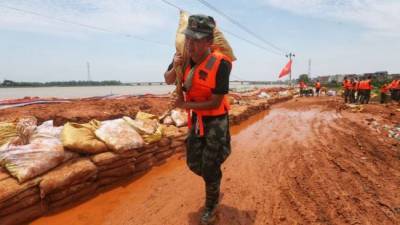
{"type": "Point", "coordinates": [85, 110]}
{"type": "Point", "coordinates": [303, 162]}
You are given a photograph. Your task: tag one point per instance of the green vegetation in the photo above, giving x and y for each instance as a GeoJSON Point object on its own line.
{"type": "Point", "coordinates": [304, 78]}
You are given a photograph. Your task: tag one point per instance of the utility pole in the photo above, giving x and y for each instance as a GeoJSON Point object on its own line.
{"type": "Point", "coordinates": [290, 55]}
{"type": "Point", "coordinates": [88, 71]}
{"type": "Point", "coordinates": [309, 68]}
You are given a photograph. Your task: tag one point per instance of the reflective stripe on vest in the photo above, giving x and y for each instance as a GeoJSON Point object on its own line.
{"type": "Point", "coordinates": [204, 81]}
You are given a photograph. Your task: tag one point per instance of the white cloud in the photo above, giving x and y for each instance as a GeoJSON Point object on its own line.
{"type": "Point", "coordinates": [124, 16]}
{"type": "Point", "coordinates": [379, 16]}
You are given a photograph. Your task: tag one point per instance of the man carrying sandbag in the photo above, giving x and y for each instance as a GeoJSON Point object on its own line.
{"type": "Point", "coordinates": [205, 84]}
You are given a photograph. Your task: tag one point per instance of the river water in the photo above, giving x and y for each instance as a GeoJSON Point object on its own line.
{"type": "Point", "coordinates": [78, 92]}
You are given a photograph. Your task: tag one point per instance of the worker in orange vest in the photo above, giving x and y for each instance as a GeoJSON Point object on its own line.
{"type": "Point", "coordinates": [205, 85]}
{"type": "Point", "coordinates": [302, 87]}
{"type": "Point", "coordinates": [395, 90]}
{"type": "Point", "coordinates": [362, 87]}
{"type": "Point", "coordinates": [346, 87]}
{"type": "Point", "coordinates": [384, 92]}
{"type": "Point", "coordinates": [369, 89]}
{"type": "Point", "coordinates": [365, 90]}
{"type": "Point", "coordinates": [317, 87]}
{"type": "Point", "coordinates": [352, 90]}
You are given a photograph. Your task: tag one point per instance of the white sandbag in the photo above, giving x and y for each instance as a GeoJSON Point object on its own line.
{"type": "Point", "coordinates": [283, 93]}
{"type": "Point", "coordinates": [168, 120]}
{"type": "Point", "coordinates": [28, 161]}
{"type": "Point", "coordinates": [119, 135]}
{"type": "Point", "coordinates": [179, 118]}
{"type": "Point", "coordinates": [264, 95]}
{"type": "Point", "coordinates": [331, 93]}
{"type": "Point", "coordinates": [47, 129]}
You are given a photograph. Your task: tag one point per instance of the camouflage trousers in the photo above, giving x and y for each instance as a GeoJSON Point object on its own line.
{"type": "Point", "coordinates": [206, 154]}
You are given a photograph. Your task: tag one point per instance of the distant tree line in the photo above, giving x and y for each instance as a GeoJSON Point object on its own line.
{"type": "Point", "coordinates": [10, 83]}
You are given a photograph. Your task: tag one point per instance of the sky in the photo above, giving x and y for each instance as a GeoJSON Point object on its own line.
{"type": "Point", "coordinates": [134, 40]}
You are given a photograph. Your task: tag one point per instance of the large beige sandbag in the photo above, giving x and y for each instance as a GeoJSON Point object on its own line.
{"type": "Point", "coordinates": [219, 42]}
{"type": "Point", "coordinates": [81, 137]}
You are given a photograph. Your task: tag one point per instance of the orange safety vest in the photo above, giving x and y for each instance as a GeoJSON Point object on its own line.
{"type": "Point", "coordinates": [384, 89]}
{"type": "Point", "coordinates": [362, 85]}
{"type": "Point", "coordinates": [318, 85]}
{"type": "Point", "coordinates": [365, 85]}
{"type": "Point", "coordinates": [395, 84]}
{"type": "Point", "coordinates": [357, 85]}
{"type": "Point", "coordinates": [204, 80]}
{"type": "Point", "coordinates": [347, 84]}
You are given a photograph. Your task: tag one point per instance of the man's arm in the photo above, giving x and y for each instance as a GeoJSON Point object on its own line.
{"type": "Point", "coordinates": [170, 75]}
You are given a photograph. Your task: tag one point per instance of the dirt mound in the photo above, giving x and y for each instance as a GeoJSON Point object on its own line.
{"type": "Point", "coordinates": [85, 110]}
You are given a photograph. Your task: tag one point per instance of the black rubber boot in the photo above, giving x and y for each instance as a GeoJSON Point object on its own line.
{"type": "Point", "coordinates": [209, 216]}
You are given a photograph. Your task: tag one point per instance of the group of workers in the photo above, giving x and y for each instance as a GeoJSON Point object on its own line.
{"type": "Point", "coordinates": [359, 90]}
{"type": "Point", "coordinates": [393, 89]}
{"type": "Point", "coordinates": [305, 91]}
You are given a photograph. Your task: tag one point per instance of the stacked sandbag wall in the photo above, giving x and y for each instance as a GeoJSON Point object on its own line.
{"type": "Point", "coordinates": [81, 177]}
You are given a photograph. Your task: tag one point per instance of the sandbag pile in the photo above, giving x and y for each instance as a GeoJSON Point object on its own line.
{"type": "Point", "coordinates": [97, 154]}
{"type": "Point", "coordinates": [19, 203]}
{"type": "Point", "coordinates": [236, 114]}
{"type": "Point", "coordinates": [243, 111]}
{"type": "Point", "coordinates": [69, 182]}
{"type": "Point", "coordinates": [112, 167]}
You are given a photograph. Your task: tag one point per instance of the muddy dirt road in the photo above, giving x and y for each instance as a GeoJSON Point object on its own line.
{"type": "Point", "coordinates": [303, 162]}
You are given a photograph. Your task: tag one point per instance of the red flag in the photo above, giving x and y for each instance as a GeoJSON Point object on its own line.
{"type": "Point", "coordinates": [286, 70]}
